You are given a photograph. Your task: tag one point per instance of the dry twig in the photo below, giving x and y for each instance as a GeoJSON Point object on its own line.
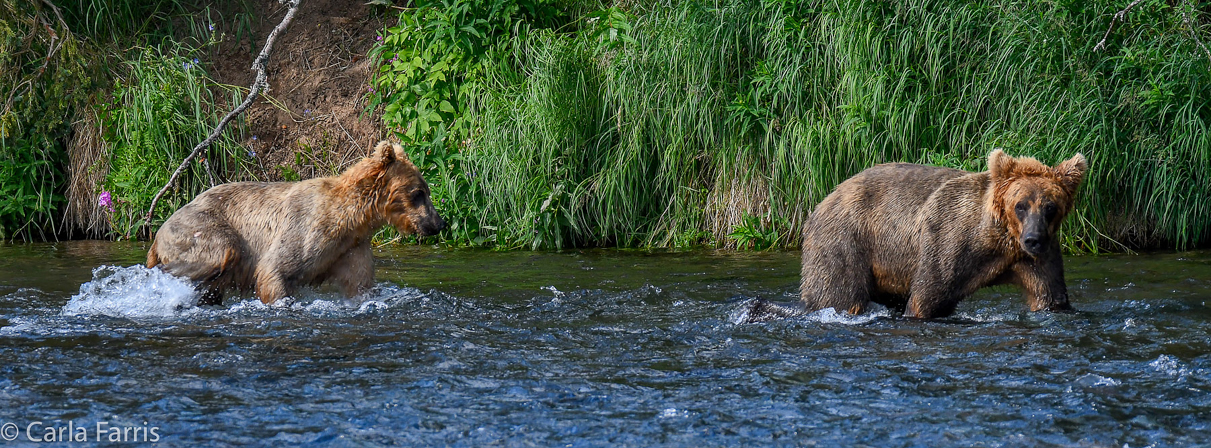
{"type": "Point", "coordinates": [1119, 17]}
{"type": "Point", "coordinates": [1194, 32]}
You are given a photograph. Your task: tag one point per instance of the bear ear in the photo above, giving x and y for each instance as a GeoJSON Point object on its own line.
{"type": "Point", "coordinates": [384, 152]}
{"type": "Point", "coordinates": [1000, 165]}
{"type": "Point", "coordinates": [1072, 171]}
{"type": "Point", "coordinates": [400, 154]}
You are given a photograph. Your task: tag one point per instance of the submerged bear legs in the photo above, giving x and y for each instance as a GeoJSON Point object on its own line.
{"type": "Point", "coordinates": [935, 290]}
{"type": "Point", "coordinates": [270, 286]}
{"type": "Point", "coordinates": [354, 271]}
{"type": "Point", "coordinates": [211, 296]}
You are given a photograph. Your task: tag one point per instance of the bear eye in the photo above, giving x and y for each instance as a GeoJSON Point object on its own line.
{"type": "Point", "coordinates": [1020, 208]}
{"type": "Point", "coordinates": [418, 196]}
{"type": "Point", "coordinates": [1050, 210]}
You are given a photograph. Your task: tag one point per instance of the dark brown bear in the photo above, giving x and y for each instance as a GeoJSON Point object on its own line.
{"type": "Point", "coordinates": [923, 238]}
{"type": "Point", "coordinates": [277, 236]}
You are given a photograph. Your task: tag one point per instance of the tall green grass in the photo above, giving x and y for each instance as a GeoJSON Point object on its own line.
{"type": "Point", "coordinates": [162, 105]}
{"type": "Point", "coordinates": [127, 67]}
{"type": "Point", "coordinates": [713, 120]}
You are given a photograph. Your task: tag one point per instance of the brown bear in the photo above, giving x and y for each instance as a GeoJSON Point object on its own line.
{"type": "Point", "coordinates": [277, 236]}
{"type": "Point", "coordinates": [922, 238]}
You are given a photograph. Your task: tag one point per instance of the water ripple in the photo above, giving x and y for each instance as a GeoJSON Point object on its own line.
{"type": "Point", "coordinates": [484, 348]}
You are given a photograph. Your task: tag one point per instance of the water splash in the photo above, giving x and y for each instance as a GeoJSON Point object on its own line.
{"type": "Point", "coordinates": [744, 314]}
{"type": "Point", "coordinates": [1169, 365]}
{"type": "Point", "coordinates": [831, 316]}
{"type": "Point", "coordinates": [133, 292]}
{"type": "Point", "coordinates": [138, 292]}
{"type": "Point", "coordinates": [1095, 381]}
{"type": "Point", "coordinates": [382, 296]}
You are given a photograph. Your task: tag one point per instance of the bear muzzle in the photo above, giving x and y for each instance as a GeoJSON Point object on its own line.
{"type": "Point", "coordinates": [432, 226]}
{"type": "Point", "coordinates": [1035, 237]}
{"type": "Point", "coordinates": [1034, 243]}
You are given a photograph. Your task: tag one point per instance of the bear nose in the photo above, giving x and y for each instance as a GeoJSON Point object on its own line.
{"type": "Point", "coordinates": [1033, 242]}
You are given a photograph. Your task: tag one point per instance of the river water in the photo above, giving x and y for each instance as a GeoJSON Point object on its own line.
{"type": "Point", "coordinates": [595, 348]}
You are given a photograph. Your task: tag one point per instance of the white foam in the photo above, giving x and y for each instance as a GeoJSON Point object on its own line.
{"type": "Point", "coordinates": [1169, 365]}
{"type": "Point", "coordinates": [741, 314]}
{"type": "Point", "coordinates": [250, 306]}
{"type": "Point", "coordinates": [133, 292]}
{"type": "Point", "coordinates": [831, 316]}
{"type": "Point", "coordinates": [371, 306]}
{"type": "Point", "coordinates": [17, 326]}
{"type": "Point", "coordinates": [381, 297]}
{"type": "Point", "coordinates": [139, 292]}
{"type": "Point", "coordinates": [988, 317]}
{"type": "Point", "coordinates": [673, 413]}
{"type": "Point", "coordinates": [1093, 380]}
{"type": "Point", "coordinates": [321, 307]}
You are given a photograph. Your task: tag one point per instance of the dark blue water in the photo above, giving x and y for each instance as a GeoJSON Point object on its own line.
{"type": "Point", "coordinates": [597, 348]}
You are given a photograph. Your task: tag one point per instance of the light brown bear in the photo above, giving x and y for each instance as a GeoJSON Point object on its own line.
{"type": "Point", "coordinates": [922, 238]}
{"type": "Point", "coordinates": [277, 236]}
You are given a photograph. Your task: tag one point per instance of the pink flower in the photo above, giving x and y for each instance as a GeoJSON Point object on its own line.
{"type": "Point", "coordinates": [106, 200]}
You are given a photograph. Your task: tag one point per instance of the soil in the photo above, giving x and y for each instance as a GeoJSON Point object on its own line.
{"type": "Point", "coordinates": [313, 120]}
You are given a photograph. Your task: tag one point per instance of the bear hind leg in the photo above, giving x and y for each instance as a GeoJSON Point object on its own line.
{"type": "Point", "coordinates": [836, 276]}
{"type": "Point", "coordinates": [213, 259]}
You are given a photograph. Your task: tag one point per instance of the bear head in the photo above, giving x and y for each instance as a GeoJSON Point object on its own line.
{"type": "Point", "coordinates": [1031, 198]}
{"type": "Point", "coordinates": [402, 195]}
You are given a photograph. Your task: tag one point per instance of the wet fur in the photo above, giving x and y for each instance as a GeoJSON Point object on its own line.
{"type": "Point", "coordinates": [923, 238]}
{"type": "Point", "coordinates": [273, 237]}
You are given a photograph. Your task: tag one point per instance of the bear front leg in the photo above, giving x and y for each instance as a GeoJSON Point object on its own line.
{"type": "Point", "coordinates": [1042, 281]}
{"type": "Point", "coordinates": [270, 286]}
{"type": "Point", "coordinates": [279, 270]}
{"type": "Point", "coordinates": [931, 297]}
{"type": "Point", "coordinates": [354, 271]}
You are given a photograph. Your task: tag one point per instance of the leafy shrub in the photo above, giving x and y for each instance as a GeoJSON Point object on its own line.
{"type": "Point", "coordinates": [432, 65]}
{"type": "Point", "coordinates": [751, 233]}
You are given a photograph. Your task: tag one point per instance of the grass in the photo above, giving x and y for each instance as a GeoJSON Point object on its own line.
{"type": "Point", "coordinates": [161, 107]}
{"type": "Point", "coordinates": [723, 120]}
{"type": "Point", "coordinates": [40, 77]}
{"type": "Point", "coordinates": [104, 98]}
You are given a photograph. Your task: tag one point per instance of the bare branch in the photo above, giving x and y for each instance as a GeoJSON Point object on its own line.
{"type": "Point", "coordinates": [260, 84]}
{"type": "Point", "coordinates": [1119, 16]}
{"type": "Point", "coordinates": [1194, 32]}
{"type": "Point", "coordinates": [56, 10]}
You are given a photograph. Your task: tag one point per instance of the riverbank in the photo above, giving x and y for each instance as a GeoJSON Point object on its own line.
{"type": "Point", "coordinates": [659, 124]}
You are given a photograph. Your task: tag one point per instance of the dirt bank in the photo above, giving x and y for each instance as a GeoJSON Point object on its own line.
{"type": "Point", "coordinates": [313, 120]}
